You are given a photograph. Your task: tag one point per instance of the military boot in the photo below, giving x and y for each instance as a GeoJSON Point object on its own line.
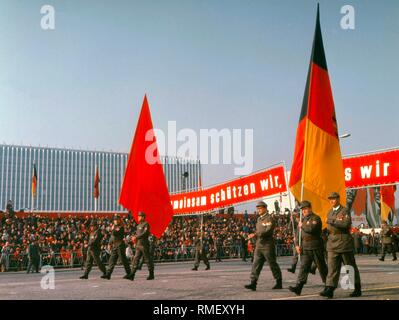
{"type": "Point", "coordinates": [328, 292]}
{"type": "Point", "coordinates": [106, 276]}
{"type": "Point", "coordinates": [151, 276]}
{"type": "Point", "coordinates": [297, 289]}
{"type": "Point", "coordinates": [129, 276]}
{"type": "Point", "coordinates": [313, 269]}
{"type": "Point", "coordinates": [195, 269]}
{"type": "Point", "coordinates": [292, 270]}
{"type": "Point", "coordinates": [85, 276]}
{"type": "Point", "coordinates": [208, 267]}
{"type": "Point", "coordinates": [251, 286]}
{"type": "Point", "coordinates": [279, 284]}
{"type": "Point", "coordinates": [357, 292]}
{"type": "Point", "coordinates": [381, 259]}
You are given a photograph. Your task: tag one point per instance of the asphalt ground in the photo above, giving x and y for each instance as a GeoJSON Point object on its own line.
{"type": "Point", "coordinates": [225, 281]}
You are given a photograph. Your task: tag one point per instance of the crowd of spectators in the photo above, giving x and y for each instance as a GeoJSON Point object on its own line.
{"type": "Point", "coordinates": [63, 241]}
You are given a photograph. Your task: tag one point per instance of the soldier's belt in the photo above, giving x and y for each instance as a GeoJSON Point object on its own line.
{"type": "Point", "coordinates": [339, 232]}
{"type": "Point", "coordinates": [310, 238]}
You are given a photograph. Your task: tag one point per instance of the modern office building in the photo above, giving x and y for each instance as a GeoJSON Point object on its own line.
{"type": "Point", "coordinates": [65, 178]}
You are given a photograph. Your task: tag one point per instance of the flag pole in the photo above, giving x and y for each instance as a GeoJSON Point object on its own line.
{"type": "Point", "coordinates": [202, 214]}
{"type": "Point", "coordinates": [290, 203]}
{"type": "Point", "coordinates": [202, 229]}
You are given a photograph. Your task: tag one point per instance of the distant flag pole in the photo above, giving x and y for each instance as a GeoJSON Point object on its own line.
{"type": "Point", "coordinates": [34, 186]}
{"type": "Point", "coordinates": [291, 209]}
{"type": "Point", "coordinates": [317, 167]}
{"type": "Point", "coordinates": [200, 188]}
{"type": "Point", "coordinates": [96, 192]}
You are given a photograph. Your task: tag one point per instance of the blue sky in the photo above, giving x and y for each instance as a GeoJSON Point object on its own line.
{"type": "Point", "coordinates": [205, 64]}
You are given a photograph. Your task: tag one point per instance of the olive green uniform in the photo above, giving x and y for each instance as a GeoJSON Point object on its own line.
{"type": "Point", "coordinates": [200, 253]}
{"type": "Point", "coordinates": [340, 246]}
{"type": "Point", "coordinates": [387, 242]}
{"type": "Point", "coordinates": [312, 248]}
{"type": "Point", "coordinates": [265, 248]}
{"type": "Point", "coordinates": [93, 252]}
{"type": "Point", "coordinates": [118, 250]}
{"type": "Point", "coordinates": [143, 248]}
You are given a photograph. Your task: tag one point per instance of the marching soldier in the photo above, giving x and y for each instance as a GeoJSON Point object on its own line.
{"type": "Point", "coordinates": [244, 246]}
{"type": "Point", "coordinates": [34, 256]}
{"type": "Point", "coordinates": [294, 261]}
{"type": "Point", "coordinates": [152, 241]}
{"type": "Point", "coordinates": [264, 248]}
{"type": "Point", "coordinates": [94, 250]}
{"type": "Point", "coordinates": [312, 248]}
{"type": "Point", "coordinates": [200, 252]}
{"type": "Point", "coordinates": [218, 248]}
{"type": "Point", "coordinates": [142, 248]}
{"type": "Point", "coordinates": [340, 247]}
{"type": "Point", "coordinates": [118, 249]}
{"type": "Point", "coordinates": [387, 241]}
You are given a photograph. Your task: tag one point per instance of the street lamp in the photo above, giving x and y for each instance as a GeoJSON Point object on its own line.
{"type": "Point", "coordinates": [345, 135]}
{"type": "Point", "coordinates": [184, 176]}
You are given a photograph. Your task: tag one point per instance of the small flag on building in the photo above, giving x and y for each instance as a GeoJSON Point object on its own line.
{"type": "Point", "coordinates": [34, 181]}
{"type": "Point", "coordinates": [97, 184]}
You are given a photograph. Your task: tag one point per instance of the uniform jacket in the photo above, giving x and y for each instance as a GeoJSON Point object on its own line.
{"type": "Point", "coordinates": [264, 231]}
{"type": "Point", "coordinates": [311, 232]}
{"type": "Point", "coordinates": [338, 224]}
{"type": "Point", "coordinates": [386, 234]}
{"type": "Point", "coordinates": [117, 236]}
{"type": "Point", "coordinates": [142, 234]}
{"type": "Point", "coordinates": [95, 239]}
{"type": "Point", "coordinates": [33, 251]}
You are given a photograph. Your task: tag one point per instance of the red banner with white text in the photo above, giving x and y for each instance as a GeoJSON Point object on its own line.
{"type": "Point", "coordinates": [262, 184]}
{"type": "Point", "coordinates": [377, 168]}
{"type": "Point", "coordinates": [380, 168]}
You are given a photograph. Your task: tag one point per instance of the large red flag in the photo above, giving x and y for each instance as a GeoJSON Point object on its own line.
{"type": "Point", "coordinates": [317, 168]}
{"type": "Point", "coordinates": [144, 186]}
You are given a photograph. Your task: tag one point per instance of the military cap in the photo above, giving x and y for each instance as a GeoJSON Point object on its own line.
{"type": "Point", "coordinates": [305, 204]}
{"type": "Point", "coordinates": [142, 214]}
{"type": "Point", "coordinates": [333, 195]}
{"type": "Point", "coordinates": [261, 204]}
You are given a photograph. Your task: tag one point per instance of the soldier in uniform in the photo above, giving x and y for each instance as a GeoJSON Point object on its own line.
{"type": "Point", "coordinates": [244, 246]}
{"type": "Point", "coordinates": [118, 249]}
{"type": "Point", "coordinates": [294, 261]}
{"type": "Point", "coordinates": [312, 248]}
{"type": "Point", "coordinates": [340, 247]}
{"type": "Point", "coordinates": [142, 248]}
{"type": "Point", "coordinates": [219, 249]}
{"type": "Point", "coordinates": [265, 248]}
{"type": "Point", "coordinates": [94, 250]}
{"type": "Point", "coordinates": [387, 241]}
{"type": "Point", "coordinates": [34, 256]}
{"type": "Point", "coordinates": [200, 252]}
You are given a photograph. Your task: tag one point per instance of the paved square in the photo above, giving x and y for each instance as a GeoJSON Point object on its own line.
{"type": "Point", "coordinates": [225, 281]}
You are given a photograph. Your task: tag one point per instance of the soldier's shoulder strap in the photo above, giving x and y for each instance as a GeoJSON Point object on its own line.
{"type": "Point", "coordinates": [343, 210]}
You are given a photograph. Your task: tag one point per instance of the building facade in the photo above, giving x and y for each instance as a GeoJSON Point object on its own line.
{"type": "Point", "coordinates": [65, 178]}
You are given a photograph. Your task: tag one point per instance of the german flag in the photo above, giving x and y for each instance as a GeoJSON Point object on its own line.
{"type": "Point", "coordinates": [387, 201]}
{"type": "Point", "coordinates": [34, 181]}
{"type": "Point", "coordinates": [317, 168]}
{"type": "Point", "coordinates": [97, 184]}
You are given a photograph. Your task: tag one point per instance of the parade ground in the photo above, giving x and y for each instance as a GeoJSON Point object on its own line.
{"type": "Point", "coordinates": [225, 281]}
